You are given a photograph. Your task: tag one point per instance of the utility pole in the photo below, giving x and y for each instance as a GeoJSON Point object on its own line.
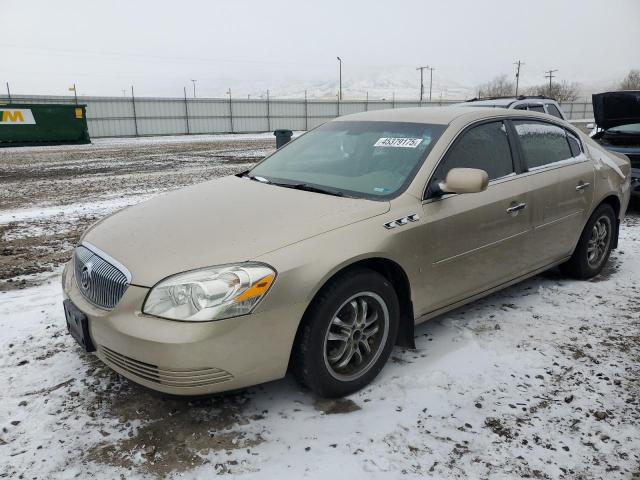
{"type": "Point", "coordinates": [549, 75]}
{"type": "Point", "coordinates": [518, 64]}
{"type": "Point", "coordinates": [268, 113]}
{"type": "Point", "coordinates": [194, 87]}
{"type": "Point", "coordinates": [135, 117]}
{"type": "Point", "coordinates": [340, 77]}
{"type": "Point", "coordinates": [230, 109]}
{"type": "Point", "coordinates": [421, 80]}
{"type": "Point", "coordinates": [431, 69]}
{"type": "Point", "coordinates": [186, 110]}
{"type": "Point", "coordinates": [8, 92]}
{"type": "Point", "coordinates": [75, 93]}
{"type": "Point", "coordinates": [306, 111]}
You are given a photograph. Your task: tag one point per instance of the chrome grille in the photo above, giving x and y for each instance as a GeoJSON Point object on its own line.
{"type": "Point", "coordinates": [99, 281]}
{"type": "Point", "coordinates": [172, 377]}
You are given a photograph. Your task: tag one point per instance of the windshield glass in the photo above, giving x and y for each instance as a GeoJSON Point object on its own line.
{"type": "Point", "coordinates": [366, 159]}
{"type": "Point", "coordinates": [633, 128]}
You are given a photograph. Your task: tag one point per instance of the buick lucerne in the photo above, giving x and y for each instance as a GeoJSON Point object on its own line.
{"type": "Point", "coordinates": [328, 252]}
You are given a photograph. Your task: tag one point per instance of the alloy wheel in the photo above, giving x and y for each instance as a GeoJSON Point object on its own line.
{"type": "Point", "coordinates": [599, 239]}
{"type": "Point", "coordinates": [356, 336]}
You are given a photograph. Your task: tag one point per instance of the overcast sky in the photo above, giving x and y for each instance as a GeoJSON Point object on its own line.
{"type": "Point", "coordinates": [158, 46]}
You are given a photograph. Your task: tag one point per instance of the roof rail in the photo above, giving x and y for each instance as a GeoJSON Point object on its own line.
{"type": "Point", "coordinates": [519, 97]}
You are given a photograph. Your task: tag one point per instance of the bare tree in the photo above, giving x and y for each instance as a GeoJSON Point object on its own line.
{"type": "Point", "coordinates": [560, 91]}
{"type": "Point", "coordinates": [500, 86]}
{"type": "Point", "coordinates": [631, 81]}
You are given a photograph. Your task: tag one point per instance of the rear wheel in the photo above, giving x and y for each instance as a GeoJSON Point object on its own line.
{"type": "Point", "coordinates": [593, 249]}
{"type": "Point", "coordinates": [347, 334]}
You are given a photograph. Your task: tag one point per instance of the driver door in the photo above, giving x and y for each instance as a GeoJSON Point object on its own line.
{"type": "Point", "coordinates": [476, 241]}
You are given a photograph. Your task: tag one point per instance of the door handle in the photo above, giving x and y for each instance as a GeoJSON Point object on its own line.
{"type": "Point", "coordinates": [583, 185]}
{"type": "Point", "coordinates": [517, 208]}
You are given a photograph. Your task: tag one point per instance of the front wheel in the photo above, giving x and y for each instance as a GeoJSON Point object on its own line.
{"type": "Point", "coordinates": [593, 249]}
{"type": "Point", "coordinates": [347, 334]}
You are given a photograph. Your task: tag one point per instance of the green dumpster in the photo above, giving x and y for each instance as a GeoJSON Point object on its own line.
{"type": "Point", "coordinates": [42, 124]}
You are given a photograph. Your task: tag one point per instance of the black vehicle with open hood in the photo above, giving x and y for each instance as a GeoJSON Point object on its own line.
{"type": "Point", "coordinates": [617, 116]}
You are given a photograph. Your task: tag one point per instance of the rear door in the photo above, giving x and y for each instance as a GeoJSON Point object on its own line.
{"type": "Point", "coordinates": [561, 180]}
{"type": "Point", "coordinates": [473, 242]}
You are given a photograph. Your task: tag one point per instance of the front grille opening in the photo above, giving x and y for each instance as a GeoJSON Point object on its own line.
{"type": "Point", "coordinates": [100, 282]}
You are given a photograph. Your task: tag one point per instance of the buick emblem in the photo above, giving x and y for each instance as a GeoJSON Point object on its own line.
{"type": "Point", "coordinates": [85, 276]}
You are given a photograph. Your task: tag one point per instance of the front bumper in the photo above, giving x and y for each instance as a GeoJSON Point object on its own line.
{"type": "Point", "coordinates": [188, 358]}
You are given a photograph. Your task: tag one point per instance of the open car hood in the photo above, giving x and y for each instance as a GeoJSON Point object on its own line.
{"type": "Point", "coordinates": [612, 109]}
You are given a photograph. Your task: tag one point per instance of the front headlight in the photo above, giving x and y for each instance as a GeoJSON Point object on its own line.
{"type": "Point", "coordinates": [210, 293]}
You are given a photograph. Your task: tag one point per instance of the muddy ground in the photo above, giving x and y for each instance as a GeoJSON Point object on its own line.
{"type": "Point", "coordinates": [116, 173]}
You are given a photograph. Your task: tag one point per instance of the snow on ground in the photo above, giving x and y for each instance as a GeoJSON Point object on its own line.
{"type": "Point", "coordinates": [541, 380]}
{"type": "Point", "coordinates": [99, 143]}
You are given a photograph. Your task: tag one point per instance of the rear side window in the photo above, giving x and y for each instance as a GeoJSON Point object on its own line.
{"type": "Point", "coordinates": [485, 147]}
{"type": "Point", "coordinates": [536, 108]}
{"type": "Point", "coordinates": [542, 143]}
{"type": "Point", "coordinates": [574, 144]}
{"type": "Point", "coordinates": [553, 110]}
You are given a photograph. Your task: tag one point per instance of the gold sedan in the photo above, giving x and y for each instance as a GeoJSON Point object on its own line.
{"type": "Point", "coordinates": [326, 254]}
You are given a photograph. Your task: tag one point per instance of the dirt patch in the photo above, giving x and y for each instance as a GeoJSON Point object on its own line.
{"type": "Point", "coordinates": [497, 427]}
{"type": "Point", "coordinates": [163, 433]}
{"type": "Point", "coordinates": [333, 406]}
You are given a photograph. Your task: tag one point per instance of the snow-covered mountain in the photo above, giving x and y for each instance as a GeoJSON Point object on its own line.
{"type": "Point", "coordinates": [402, 82]}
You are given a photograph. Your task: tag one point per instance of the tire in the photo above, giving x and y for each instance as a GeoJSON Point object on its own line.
{"type": "Point", "coordinates": [583, 264]}
{"type": "Point", "coordinates": [333, 328]}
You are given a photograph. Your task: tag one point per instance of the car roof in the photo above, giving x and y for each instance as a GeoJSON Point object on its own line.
{"type": "Point", "coordinates": [436, 115]}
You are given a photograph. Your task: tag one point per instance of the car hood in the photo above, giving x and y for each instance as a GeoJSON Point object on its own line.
{"type": "Point", "coordinates": [612, 109]}
{"type": "Point", "coordinates": [222, 221]}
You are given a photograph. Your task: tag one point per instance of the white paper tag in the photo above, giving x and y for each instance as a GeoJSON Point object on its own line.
{"type": "Point", "coordinates": [398, 142]}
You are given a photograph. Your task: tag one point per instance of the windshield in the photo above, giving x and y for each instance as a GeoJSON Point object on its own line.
{"type": "Point", "coordinates": [362, 159]}
{"type": "Point", "coordinates": [633, 128]}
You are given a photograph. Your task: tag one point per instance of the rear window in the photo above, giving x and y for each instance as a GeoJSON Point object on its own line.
{"type": "Point", "coordinates": [542, 143]}
{"type": "Point", "coordinates": [553, 110]}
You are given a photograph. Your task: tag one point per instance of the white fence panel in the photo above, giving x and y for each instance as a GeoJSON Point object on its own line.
{"type": "Point", "coordinates": [117, 116]}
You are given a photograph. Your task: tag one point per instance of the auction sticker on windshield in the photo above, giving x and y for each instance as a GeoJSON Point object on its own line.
{"type": "Point", "coordinates": [398, 142]}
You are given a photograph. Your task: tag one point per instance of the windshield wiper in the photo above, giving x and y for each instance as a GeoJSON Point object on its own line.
{"type": "Point", "coordinates": [309, 188]}
{"type": "Point", "coordinates": [256, 178]}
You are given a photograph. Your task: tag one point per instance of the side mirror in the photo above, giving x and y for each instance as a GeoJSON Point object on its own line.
{"type": "Point", "coordinates": [465, 180]}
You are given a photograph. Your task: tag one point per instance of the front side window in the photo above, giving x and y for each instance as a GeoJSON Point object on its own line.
{"type": "Point", "coordinates": [485, 147]}
{"type": "Point", "coordinates": [536, 108]}
{"type": "Point", "coordinates": [362, 159]}
{"type": "Point", "coordinates": [542, 143]}
{"type": "Point", "coordinates": [553, 110]}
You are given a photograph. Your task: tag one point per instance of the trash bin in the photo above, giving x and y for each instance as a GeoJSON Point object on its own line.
{"type": "Point", "coordinates": [42, 124]}
{"type": "Point", "coordinates": [282, 137]}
